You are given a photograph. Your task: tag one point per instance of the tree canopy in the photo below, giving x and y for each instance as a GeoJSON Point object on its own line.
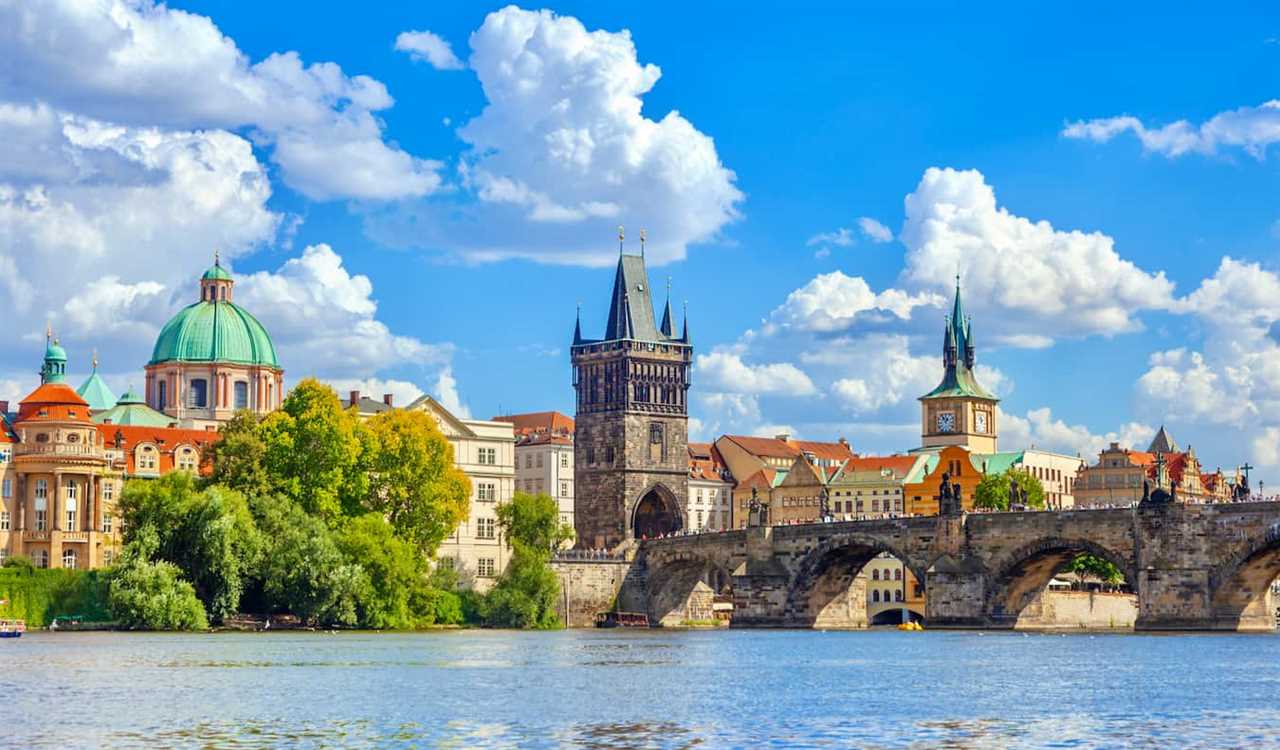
{"type": "Point", "coordinates": [992, 492]}
{"type": "Point", "coordinates": [526, 592]}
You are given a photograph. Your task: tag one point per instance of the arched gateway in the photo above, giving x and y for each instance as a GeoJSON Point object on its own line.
{"type": "Point", "coordinates": [656, 515]}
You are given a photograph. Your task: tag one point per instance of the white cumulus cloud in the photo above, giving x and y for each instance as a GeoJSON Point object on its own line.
{"type": "Point", "coordinates": [140, 63]}
{"type": "Point", "coordinates": [561, 154]}
{"type": "Point", "coordinates": [1250, 128]}
{"type": "Point", "coordinates": [428, 47]}
{"type": "Point", "coordinates": [726, 372]}
{"type": "Point", "coordinates": [874, 230]}
{"type": "Point", "coordinates": [1039, 429]}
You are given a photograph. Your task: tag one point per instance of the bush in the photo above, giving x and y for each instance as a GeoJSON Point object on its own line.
{"type": "Point", "coordinates": [152, 596]}
{"type": "Point", "coordinates": [39, 595]}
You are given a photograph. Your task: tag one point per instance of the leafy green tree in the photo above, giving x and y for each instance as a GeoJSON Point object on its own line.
{"type": "Point", "coordinates": [413, 481]}
{"type": "Point", "coordinates": [313, 452]}
{"type": "Point", "coordinates": [147, 595]}
{"type": "Point", "coordinates": [397, 595]}
{"type": "Point", "coordinates": [534, 521]}
{"type": "Point", "coordinates": [237, 459]}
{"type": "Point", "coordinates": [993, 491]}
{"type": "Point", "coordinates": [303, 571]}
{"type": "Point", "coordinates": [1092, 566]}
{"type": "Point", "coordinates": [525, 594]}
{"type": "Point", "coordinates": [210, 535]}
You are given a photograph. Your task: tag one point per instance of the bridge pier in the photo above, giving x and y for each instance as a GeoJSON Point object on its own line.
{"type": "Point", "coordinates": [956, 596]}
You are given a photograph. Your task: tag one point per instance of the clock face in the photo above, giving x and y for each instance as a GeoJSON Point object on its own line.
{"type": "Point", "coordinates": [947, 422]}
{"type": "Point", "coordinates": [980, 421]}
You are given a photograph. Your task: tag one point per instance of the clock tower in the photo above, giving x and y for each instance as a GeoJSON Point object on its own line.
{"type": "Point", "coordinates": [959, 411]}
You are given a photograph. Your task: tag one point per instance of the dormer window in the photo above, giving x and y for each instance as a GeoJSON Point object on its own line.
{"type": "Point", "coordinates": [42, 437]}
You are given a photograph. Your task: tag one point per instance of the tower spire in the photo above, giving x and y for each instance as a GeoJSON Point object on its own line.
{"type": "Point", "coordinates": [668, 327]}
{"type": "Point", "coordinates": [577, 327]}
{"type": "Point", "coordinates": [685, 335]}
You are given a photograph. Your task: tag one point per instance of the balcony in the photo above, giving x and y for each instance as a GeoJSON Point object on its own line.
{"type": "Point", "coordinates": [75, 536]}
{"type": "Point", "coordinates": [60, 449]}
{"type": "Point", "coordinates": [35, 536]}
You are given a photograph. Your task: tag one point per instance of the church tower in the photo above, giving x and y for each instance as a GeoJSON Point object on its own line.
{"type": "Point", "coordinates": [959, 411]}
{"type": "Point", "coordinates": [631, 473]}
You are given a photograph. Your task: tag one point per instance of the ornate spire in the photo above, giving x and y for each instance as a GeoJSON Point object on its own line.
{"type": "Point", "coordinates": [970, 355]}
{"type": "Point", "coordinates": [948, 344]}
{"type": "Point", "coordinates": [685, 335]}
{"type": "Point", "coordinates": [577, 327]}
{"type": "Point", "coordinates": [668, 327]}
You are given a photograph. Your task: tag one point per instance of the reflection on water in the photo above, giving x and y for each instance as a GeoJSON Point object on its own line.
{"type": "Point", "coordinates": [628, 689]}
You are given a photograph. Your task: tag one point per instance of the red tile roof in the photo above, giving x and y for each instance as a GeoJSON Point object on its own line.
{"type": "Point", "coordinates": [762, 479]}
{"type": "Point", "coordinates": [705, 462]}
{"type": "Point", "coordinates": [53, 401]}
{"type": "Point", "coordinates": [900, 465]}
{"type": "Point", "coordinates": [165, 439]}
{"type": "Point", "coordinates": [775, 448]}
{"type": "Point", "coordinates": [539, 421]}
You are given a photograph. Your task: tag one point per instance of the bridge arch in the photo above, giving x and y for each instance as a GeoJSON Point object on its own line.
{"type": "Point", "coordinates": [825, 591]}
{"type": "Point", "coordinates": [1239, 586]}
{"type": "Point", "coordinates": [657, 511]}
{"type": "Point", "coordinates": [1019, 577]}
{"type": "Point", "coordinates": [682, 586]}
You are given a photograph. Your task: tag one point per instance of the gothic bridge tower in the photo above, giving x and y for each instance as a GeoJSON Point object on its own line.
{"type": "Point", "coordinates": [631, 473]}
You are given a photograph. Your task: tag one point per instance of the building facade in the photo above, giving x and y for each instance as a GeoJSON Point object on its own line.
{"type": "Point", "coordinates": [631, 473]}
{"type": "Point", "coordinates": [1117, 479]}
{"type": "Point", "coordinates": [485, 452]}
{"type": "Point", "coordinates": [710, 502]}
{"type": "Point", "coordinates": [213, 359]}
{"type": "Point", "coordinates": [544, 457]}
{"type": "Point", "coordinates": [759, 465]}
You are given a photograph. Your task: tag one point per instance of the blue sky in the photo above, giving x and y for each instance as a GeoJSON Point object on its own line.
{"type": "Point", "coordinates": [478, 194]}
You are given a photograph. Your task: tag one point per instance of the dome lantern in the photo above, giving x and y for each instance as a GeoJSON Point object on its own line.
{"type": "Point", "coordinates": [215, 284]}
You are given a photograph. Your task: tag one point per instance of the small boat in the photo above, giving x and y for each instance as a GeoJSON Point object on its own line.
{"type": "Point", "coordinates": [12, 628]}
{"type": "Point", "coordinates": [622, 620]}
{"type": "Point", "coordinates": [912, 626]}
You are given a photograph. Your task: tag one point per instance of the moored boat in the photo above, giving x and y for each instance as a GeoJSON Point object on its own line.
{"type": "Point", "coordinates": [622, 620]}
{"type": "Point", "coordinates": [12, 628]}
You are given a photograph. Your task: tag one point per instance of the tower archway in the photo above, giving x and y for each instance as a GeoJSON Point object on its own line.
{"type": "Point", "coordinates": [657, 514]}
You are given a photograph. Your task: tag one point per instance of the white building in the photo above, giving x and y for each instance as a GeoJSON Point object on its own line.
{"type": "Point", "coordinates": [710, 502]}
{"type": "Point", "coordinates": [485, 451]}
{"type": "Point", "coordinates": [544, 456]}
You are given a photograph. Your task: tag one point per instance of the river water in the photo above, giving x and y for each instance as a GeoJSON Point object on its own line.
{"type": "Point", "coordinates": [640, 689]}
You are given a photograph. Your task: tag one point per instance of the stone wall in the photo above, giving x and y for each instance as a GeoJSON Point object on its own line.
{"type": "Point", "coordinates": [591, 586]}
{"type": "Point", "coordinates": [1079, 610]}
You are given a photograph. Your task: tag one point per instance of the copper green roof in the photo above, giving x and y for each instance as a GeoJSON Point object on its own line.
{"type": "Point", "coordinates": [996, 463]}
{"type": "Point", "coordinates": [96, 392]}
{"type": "Point", "coordinates": [129, 410]}
{"type": "Point", "coordinates": [959, 381]}
{"type": "Point", "coordinates": [214, 332]}
{"type": "Point", "coordinates": [216, 272]}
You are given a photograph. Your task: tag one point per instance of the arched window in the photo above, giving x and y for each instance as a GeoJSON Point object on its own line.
{"type": "Point", "coordinates": [160, 394]}
{"type": "Point", "coordinates": [897, 595]}
{"type": "Point", "coordinates": [241, 394]}
{"type": "Point", "coordinates": [897, 574]}
{"type": "Point", "coordinates": [198, 393]}
{"type": "Point", "coordinates": [875, 575]}
{"type": "Point", "coordinates": [69, 558]}
{"type": "Point", "coordinates": [875, 595]}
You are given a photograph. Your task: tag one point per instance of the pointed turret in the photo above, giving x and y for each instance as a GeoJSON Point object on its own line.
{"type": "Point", "coordinates": [631, 306]}
{"type": "Point", "coordinates": [684, 335]}
{"type": "Point", "coordinates": [95, 391]}
{"type": "Point", "coordinates": [577, 328]}
{"type": "Point", "coordinates": [948, 345]}
{"type": "Point", "coordinates": [54, 369]}
{"type": "Point", "coordinates": [1163, 442]}
{"type": "Point", "coordinates": [668, 327]}
{"type": "Point", "coordinates": [958, 320]}
{"type": "Point", "coordinates": [970, 355]}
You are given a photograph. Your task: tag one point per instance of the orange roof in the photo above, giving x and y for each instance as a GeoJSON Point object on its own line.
{"type": "Point", "coordinates": [166, 439]}
{"type": "Point", "coordinates": [705, 462]}
{"type": "Point", "coordinates": [775, 448]}
{"type": "Point", "coordinates": [53, 401]}
{"type": "Point", "coordinates": [900, 465]}
{"type": "Point", "coordinates": [538, 421]}
{"type": "Point", "coordinates": [762, 479]}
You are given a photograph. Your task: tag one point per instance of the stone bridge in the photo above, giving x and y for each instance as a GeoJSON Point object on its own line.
{"type": "Point", "coordinates": [1198, 567]}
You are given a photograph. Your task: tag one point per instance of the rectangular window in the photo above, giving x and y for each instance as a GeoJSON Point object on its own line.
{"type": "Point", "coordinates": [485, 567]}
{"type": "Point", "coordinates": [564, 460]}
{"type": "Point", "coordinates": [108, 556]}
{"type": "Point", "coordinates": [591, 456]}
{"type": "Point", "coordinates": [4, 555]}
{"type": "Point", "coordinates": [71, 519]}
{"type": "Point", "coordinates": [108, 490]}
{"type": "Point", "coordinates": [4, 520]}
{"type": "Point", "coordinates": [564, 489]}
{"type": "Point", "coordinates": [41, 516]}
{"type": "Point", "coordinates": [106, 522]}
{"type": "Point", "coordinates": [488, 456]}
{"type": "Point", "coordinates": [484, 528]}
{"type": "Point", "coordinates": [608, 454]}
{"type": "Point", "coordinates": [539, 460]}
{"type": "Point", "coordinates": [486, 491]}
{"type": "Point", "coordinates": [42, 489]}
{"type": "Point", "coordinates": [198, 393]}
{"type": "Point", "coordinates": [6, 488]}
{"type": "Point", "coordinates": [528, 461]}
{"type": "Point", "coordinates": [241, 394]}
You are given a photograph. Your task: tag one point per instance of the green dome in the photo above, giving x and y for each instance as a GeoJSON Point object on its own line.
{"type": "Point", "coordinates": [55, 351]}
{"type": "Point", "coordinates": [216, 273]}
{"type": "Point", "coordinates": [214, 332]}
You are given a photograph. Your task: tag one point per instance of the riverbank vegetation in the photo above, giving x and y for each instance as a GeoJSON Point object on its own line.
{"type": "Point", "coordinates": [313, 512]}
{"type": "Point", "coordinates": [38, 595]}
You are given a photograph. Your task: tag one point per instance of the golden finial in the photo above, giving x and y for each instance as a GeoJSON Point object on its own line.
{"type": "Point", "coordinates": [95, 358]}
{"type": "Point", "coordinates": [621, 237]}
{"type": "Point", "coordinates": [48, 331]}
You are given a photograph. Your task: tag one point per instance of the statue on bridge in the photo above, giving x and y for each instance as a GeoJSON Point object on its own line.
{"type": "Point", "coordinates": [949, 503]}
{"type": "Point", "coordinates": [757, 514]}
{"type": "Point", "coordinates": [1017, 495]}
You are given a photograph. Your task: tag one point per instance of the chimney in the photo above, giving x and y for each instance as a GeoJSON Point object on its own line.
{"type": "Point", "coordinates": [387, 398]}
{"type": "Point", "coordinates": [355, 399]}
{"type": "Point", "coordinates": [844, 442]}
{"type": "Point", "coordinates": [784, 437]}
